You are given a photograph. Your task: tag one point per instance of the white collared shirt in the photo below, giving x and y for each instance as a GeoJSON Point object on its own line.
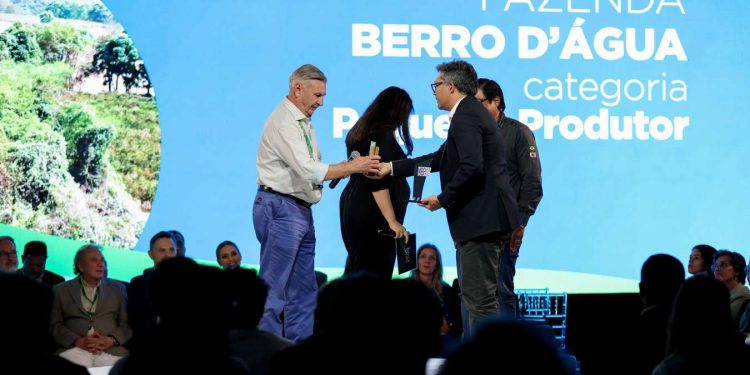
{"type": "Point", "coordinates": [453, 110]}
{"type": "Point", "coordinates": [88, 294]}
{"type": "Point", "coordinates": [284, 161]}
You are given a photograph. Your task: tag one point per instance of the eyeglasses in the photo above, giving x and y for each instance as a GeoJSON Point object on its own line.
{"type": "Point", "coordinates": [720, 265]}
{"type": "Point", "coordinates": [9, 253]}
{"type": "Point", "coordinates": [482, 100]}
{"type": "Point", "coordinates": [435, 85]}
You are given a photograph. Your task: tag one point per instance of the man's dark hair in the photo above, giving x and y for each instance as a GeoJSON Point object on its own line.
{"type": "Point", "coordinates": [461, 74]}
{"type": "Point", "coordinates": [179, 239]}
{"type": "Point", "coordinates": [736, 260]}
{"type": "Point", "coordinates": [661, 278]}
{"type": "Point", "coordinates": [162, 234]}
{"type": "Point", "coordinates": [492, 90]}
{"type": "Point", "coordinates": [35, 249]}
{"type": "Point", "coordinates": [248, 293]}
{"type": "Point", "coordinates": [520, 340]}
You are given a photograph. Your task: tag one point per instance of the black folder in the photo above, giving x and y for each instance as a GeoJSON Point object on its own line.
{"type": "Point", "coordinates": [406, 253]}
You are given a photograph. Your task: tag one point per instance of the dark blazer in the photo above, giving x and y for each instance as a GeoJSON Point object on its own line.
{"type": "Point", "coordinates": [477, 195]}
{"type": "Point", "coordinates": [69, 321]}
{"type": "Point", "coordinates": [141, 314]}
{"type": "Point", "coordinates": [49, 278]}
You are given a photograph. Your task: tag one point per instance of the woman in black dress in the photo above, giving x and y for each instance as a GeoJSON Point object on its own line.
{"type": "Point", "coordinates": [368, 205]}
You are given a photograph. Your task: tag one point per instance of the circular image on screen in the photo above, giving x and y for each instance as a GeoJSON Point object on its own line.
{"type": "Point", "coordinates": [79, 129]}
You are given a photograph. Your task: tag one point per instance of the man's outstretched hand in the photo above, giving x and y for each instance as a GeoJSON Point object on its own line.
{"type": "Point", "coordinates": [366, 164]}
{"type": "Point", "coordinates": [384, 169]}
{"type": "Point", "coordinates": [431, 203]}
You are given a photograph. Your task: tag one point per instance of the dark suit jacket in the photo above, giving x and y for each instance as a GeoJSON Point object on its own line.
{"type": "Point", "coordinates": [49, 278]}
{"type": "Point", "coordinates": [141, 314]}
{"type": "Point", "coordinates": [477, 195]}
{"type": "Point", "coordinates": [69, 321]}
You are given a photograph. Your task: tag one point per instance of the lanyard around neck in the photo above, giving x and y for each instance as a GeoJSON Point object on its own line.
{"type": "Point", "coordinates": [307, 139]}
{"type": "Point", "coordinates": [92, 301]}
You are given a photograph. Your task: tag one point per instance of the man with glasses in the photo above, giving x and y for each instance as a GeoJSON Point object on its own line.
{"type": "Point", "coordinates": [525, 171]}
{"type": "Point", "coordinates": [8, 254]}
{"type": "Point", "coordinates": [290, 179]}
{"type": "Point", "coordinates": [476, 192]}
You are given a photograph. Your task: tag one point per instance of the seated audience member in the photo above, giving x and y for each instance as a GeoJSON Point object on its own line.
{"type": "Point", "coordinates": [529, 349]}
{"type": "Point", "coordinates": [179, 241]}
{"type": "Point", "coordinates": [418, 332]}
{"type": "Point", "coordinates": [228, 255]}
{"type": "Point", "coordinates": [661, 278]}
{"type": "Point", "coordinates": [367, 325]}
{"type": "Point", "coordinates": [348, 322]}
{"type": "Point", "coordinates": [192, 303]}
{"type": "Point", "coordinates": [25, 344]}
{"type": "Point", "coordinates": [34, 262]}
{"type": "Point", "coordinates": [246, 342]}
{"type": "Point", "coordinates": [320, 279]}
{"type": "Point", "coordinates": [696, 348]}
{"type": "Point", "coordinates": [141, 313]}
{"type": "Point", "coordinates": [701, 260]}
{"type": "Point", "coordinates": [8, 254]}
{"type": "Point", "coordinates": [89, 320]}
{"type": "Point", "coordinates": [729, 268]}
{"type": "Point", "coordinates": [429, 272]}
{"type": "Point", "coordinates": [744, 322]}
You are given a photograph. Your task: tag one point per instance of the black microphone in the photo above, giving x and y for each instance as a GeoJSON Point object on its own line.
{"type": "Point", "coordinates": [335, 181]}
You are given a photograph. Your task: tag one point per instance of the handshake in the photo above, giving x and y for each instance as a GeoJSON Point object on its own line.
{"type": "Point", "coordinates": [370, 166]}
{"type": "Point", "coordinates": [380, 171]}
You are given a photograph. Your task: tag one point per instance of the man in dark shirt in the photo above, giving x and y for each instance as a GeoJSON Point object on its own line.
{"type": "Point", "coordinates": [525, 171]}
{"type": "Point", "coordinates": [34, 264]}
{"type": "Point", "coordinates": [140, 309]}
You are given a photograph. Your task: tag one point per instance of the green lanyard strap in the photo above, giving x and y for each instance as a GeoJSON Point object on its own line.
{"type": "Point", "coordinates": [92, 301]}
{"type": "Point", "coordinates": [307, 139]}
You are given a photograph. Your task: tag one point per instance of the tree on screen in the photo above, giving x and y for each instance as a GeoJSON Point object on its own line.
{"type": "Point", "coordinates": [116, 57]}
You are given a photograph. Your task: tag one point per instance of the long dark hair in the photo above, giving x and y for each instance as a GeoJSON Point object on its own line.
{"type": "Point", "coordinates": [707, 253]}
{"type": "Point", "coordinates": [437, 276]}
{"type": "Point", "coordinates": [390, 110]}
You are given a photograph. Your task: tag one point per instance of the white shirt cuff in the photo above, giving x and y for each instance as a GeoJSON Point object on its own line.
{"type": "Point", "coordinates": [319, 172]}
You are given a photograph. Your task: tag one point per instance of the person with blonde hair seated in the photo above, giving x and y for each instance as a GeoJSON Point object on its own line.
{"type": "Point", "coordinates": [429, 272]}
{"type": "Point", "coordinates": [89, 319]}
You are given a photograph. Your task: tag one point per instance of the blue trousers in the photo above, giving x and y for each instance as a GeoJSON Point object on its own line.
{"type": "Point", "coordinates": [286, 234]}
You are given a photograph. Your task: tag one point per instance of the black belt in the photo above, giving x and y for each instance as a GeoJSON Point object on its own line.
{"type": "Point", "coordinates": [299, 201]}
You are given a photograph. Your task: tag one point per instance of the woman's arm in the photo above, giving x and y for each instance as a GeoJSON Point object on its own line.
{"type": "Point", "coordinates": [383, 200]}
